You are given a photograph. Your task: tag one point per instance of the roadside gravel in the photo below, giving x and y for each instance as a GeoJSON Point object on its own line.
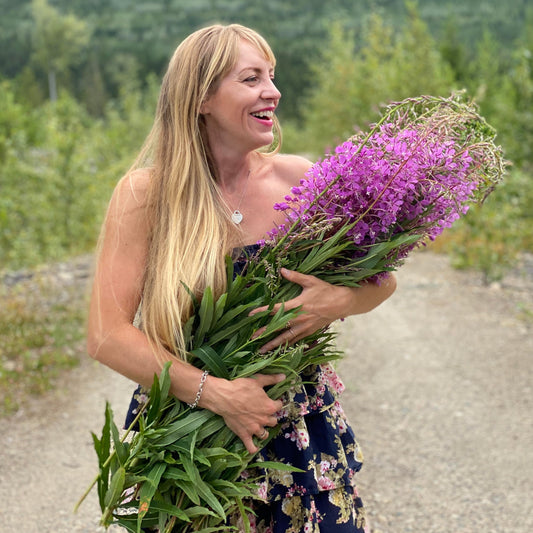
{"type": "Point", "coordinates": [438, 388]}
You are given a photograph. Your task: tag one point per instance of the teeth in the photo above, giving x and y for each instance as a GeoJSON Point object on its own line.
{"type": "Point", "coordinates": [263, 114]}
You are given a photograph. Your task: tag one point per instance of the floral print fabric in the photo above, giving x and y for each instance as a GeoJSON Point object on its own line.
{"type": "Point", "coordinates": [316, 438]}
{"type": "Point", "coordinates": [338, 511]}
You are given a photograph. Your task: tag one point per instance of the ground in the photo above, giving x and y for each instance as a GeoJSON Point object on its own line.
{"type": "Point", "coordinates": [438, 389]}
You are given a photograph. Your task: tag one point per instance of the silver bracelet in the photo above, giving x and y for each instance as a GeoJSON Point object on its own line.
{"type": "Point", "coordinates": [200, 389]}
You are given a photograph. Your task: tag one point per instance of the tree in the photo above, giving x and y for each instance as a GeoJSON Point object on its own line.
{"type": "Point", "coordinates": [350, 87]}
{"type": "Point", "coordinates": [328, 113]}
{"type": "Point", "coordinates": [453, 50]}
{"type": "Point", "coordinates": [418, 65]}
{"type": "Point", "coordinates": [57, 41]}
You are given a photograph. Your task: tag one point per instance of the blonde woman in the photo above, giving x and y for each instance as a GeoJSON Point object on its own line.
{"type": "Point", "coordinates": [199, 190]}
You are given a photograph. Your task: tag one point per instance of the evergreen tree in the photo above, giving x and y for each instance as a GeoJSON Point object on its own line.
{"type": "Point", "coordinates": [57, 41]}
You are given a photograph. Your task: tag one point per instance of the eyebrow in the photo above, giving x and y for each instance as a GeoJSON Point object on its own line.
{"type": "Point", "coordinates": [256, 70]}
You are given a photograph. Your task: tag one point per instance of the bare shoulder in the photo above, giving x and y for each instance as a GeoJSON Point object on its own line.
{"type": "Point", "coordinates": [131, 192]}
{"type": "Point", "coordinates": [291, 168]}
{"type": "Point", "coordinates": [128, 212]}
{"type": "Point", "coordinates": [127, 224]}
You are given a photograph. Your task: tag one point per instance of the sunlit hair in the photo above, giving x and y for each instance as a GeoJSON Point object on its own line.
{"type": "Point", "coordinates": [190, 225]}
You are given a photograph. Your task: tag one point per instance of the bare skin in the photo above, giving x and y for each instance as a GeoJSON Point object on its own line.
{"type": "Point", "coordinates": [234, 135]}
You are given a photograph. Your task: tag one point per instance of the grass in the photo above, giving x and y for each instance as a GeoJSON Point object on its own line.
{"type": "Point", "coordinates": [42, 328]}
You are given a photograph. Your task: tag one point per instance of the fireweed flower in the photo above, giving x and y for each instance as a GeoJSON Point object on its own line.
{"type": "Point", "coordinates": [412, 176]}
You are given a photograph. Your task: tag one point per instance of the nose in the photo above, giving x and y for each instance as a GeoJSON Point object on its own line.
{"type": "Point", "coordinates": [270, 92]}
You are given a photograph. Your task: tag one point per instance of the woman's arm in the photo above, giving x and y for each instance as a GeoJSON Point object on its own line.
{"type": "Point", "coordinates": [113, 339]}
{"type": "Point", "coordinates": [322, 303]}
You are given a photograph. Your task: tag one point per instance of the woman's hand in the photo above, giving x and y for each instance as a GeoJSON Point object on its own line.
{"type": "Point", "coordinates": [322, 303]}
{"type": "Point", "coordinates": [244, 405]}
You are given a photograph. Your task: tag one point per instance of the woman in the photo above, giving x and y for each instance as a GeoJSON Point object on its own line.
{"type": "Point", "coordinates": [205, 192]}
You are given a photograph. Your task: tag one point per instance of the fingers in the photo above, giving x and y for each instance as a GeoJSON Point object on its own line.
{"type": "Point", "coordinates": [276, 307]}
{"type": "Point", "coordinates": [249, 444]}
{"type": "Point", "coordinates": [303, 280]}
{"type": "Point", "coordinates": [252, 411]}
{"type": "Point", "coordinates": [261, 432]}
{"type": "Point", "coordinates": [289, 336]}
{"type": "Point", "coordinates": [264, 435]}
{"type": "Point", "coordinates": [258, 332]}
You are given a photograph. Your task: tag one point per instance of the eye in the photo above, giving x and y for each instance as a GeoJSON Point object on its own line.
{"type": "Point", "coordinates": [251, 79]}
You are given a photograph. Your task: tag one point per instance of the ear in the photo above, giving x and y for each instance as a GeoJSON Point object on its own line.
{"type": "Point", "coordinates": [205, 108]}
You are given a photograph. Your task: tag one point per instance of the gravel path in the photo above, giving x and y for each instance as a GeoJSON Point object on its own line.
{"type": "Point", "coordinates": [438, 387]}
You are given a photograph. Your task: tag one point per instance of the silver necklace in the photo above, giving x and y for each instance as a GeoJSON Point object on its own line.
{"type": "Point", "coordinates": [237, 216]}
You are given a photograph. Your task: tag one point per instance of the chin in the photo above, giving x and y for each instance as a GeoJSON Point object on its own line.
{"type": "Point", "coordinates": [264, 142]}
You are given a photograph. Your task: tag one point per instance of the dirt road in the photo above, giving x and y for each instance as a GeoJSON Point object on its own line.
{"type": "Point", "coordinates": [438, 388]}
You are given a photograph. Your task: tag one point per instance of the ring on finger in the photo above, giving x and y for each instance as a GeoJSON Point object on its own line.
{"type": "Point", "coordinates": [264, 435]}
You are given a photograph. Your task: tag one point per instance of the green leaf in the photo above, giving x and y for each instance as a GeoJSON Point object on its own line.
{"type": "Point", "coordinates": [172, 510]}
{"type": "Point", "coordinates": [201, 486]}
{"type": "Point", "coordinates": [189, 488]}
{"type": "Point", "coordinates": [244, 515]}
{"type": "Point", "coordinates": [121, 448]}
{"type": "Point", "coordinates": [127, 523]}
{"type": "Point", "coordinates": [197, 511]}
{"type": "Point", "coordinates": [187, 330]}
{"type": "Point", "coordinates": [233, 312]}
{"type": "Point", "coordinates": [229, 273]}
{"type": "Point", "coordinates": [229, 346]}
{"type": "Point", "coordinates": [237, 326]}
{"type": "Point", "coordinates": [219, 308]}
{"type": "Point", "coordinates": [248, 370]}
{"type": "Point", "coordinates": [215, 529]}
{"type": "Point", "coordinates": [205, 317]}
{"type": "Point", "coordinates": [103, 455]}
{"type": "Point", "coordinates": [200, 457]}
{"type": "Point", "coordinates": [116, 487]}
{"type": "Point", "coordinates": [212, 426]}
{"type": "Point", "coordinates": [222, 438]}
{"type": "Point", "coordinates": [176, 472]}
{"type": "Point", "coordinates": [231, 489]}
{"type": "Point", "coordinates": [193, 297]}
{"type": "Point", "coordinates": [148, 489]}
{"type": "Point", "coordinates": [275, 466]}
{"type": "Point", "coordinates": [155, 401]}
{"type": "Point", "coordinates": [165, 382]}
{"type": "Point", "coordinates": [212, 360]}
{"type": "Point", "coordinates": [184, 426]}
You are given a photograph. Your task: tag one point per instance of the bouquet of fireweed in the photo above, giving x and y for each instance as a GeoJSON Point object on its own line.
{"type": "Point", "coordinates": [355, 217]}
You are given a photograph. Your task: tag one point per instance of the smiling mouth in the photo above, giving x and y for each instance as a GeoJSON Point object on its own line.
{"type": "Point", "coordinates": [263, 115]}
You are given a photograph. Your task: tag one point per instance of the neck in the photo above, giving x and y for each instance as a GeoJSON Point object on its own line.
{"type": "Point", "coordinates": [232, 172]}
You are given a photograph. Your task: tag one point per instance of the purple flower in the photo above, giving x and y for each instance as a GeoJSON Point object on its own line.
{"type": "Point", "coordinates": [415, 174]}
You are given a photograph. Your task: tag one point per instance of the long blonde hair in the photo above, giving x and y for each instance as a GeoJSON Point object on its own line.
{"type": "Point", "coordinates": [190, 227]}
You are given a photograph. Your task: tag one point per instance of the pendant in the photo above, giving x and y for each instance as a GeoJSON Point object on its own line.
{"type": "Point", "coordinates": [236, 216]}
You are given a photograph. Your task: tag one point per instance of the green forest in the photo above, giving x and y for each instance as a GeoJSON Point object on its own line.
{"type": "Point", "coordinates": [79, 81]}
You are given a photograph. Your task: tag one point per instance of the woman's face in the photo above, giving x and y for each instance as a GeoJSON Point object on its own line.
{"type": "Point", "coordinates": [239, 114]}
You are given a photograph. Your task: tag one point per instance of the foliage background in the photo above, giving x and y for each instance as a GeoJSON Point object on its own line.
{"type": "Point", "coordinates": [79, 82]}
